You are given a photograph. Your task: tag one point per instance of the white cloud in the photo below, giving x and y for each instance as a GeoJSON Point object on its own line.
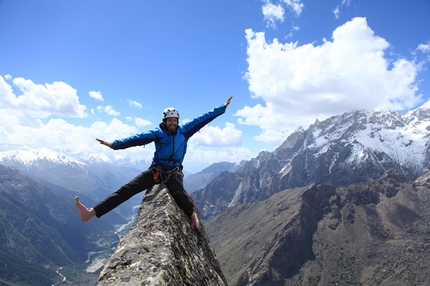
{"type": "Point", "coordinates": [217, 137]}
{"type": "Point", "coordinates": [273, 13]}
{"type": "Point", "coordinates": [425, 48]}
{"type": "Point", "coordinates": [108, 110]}
{"type": "Point", "coordinates": [97, 95]}
{"type": "Point", "coordinates": [40, 101]}
{"type": "Point", "coordinates": [301, 83]}
{"type": "Point", "coordinates": [296, 5]}
{"type": "Point", "coordinates": [140, 122]}
{"type": "Point", "coordinates": [59, 135]}
{"type": "Point", "coordinates": [21, 126]}
{"type": "Point", "coordinates": [336, 12]}
{"type": "Point", "coordinates": [346, 2]}
{"type": "Point", "coordinates": [134, 103]}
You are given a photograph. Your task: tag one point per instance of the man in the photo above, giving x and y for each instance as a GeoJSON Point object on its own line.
{"type": "Point", "coordinates": [170, 140]}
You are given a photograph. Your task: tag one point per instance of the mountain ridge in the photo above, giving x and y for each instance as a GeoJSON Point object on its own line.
{"type": "Point", "coordinates": [162, 248]}
{"type": "Point", "coordinates": [349, 148]}
{"type": "Point", "coordinates": [199, 180]}
{"type": "Point", "coordinates": [369, 233]}
{"type": "Point", "coordinates": [96, 179]}
{"type": "Point", "coordinates": [39, 227]}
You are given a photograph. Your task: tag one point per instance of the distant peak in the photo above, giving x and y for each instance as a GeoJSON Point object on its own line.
{"type": "Point", "coordinates": [30, 156]}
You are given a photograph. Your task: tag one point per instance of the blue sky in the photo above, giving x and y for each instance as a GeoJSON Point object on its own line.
{"type": "Point", "coordinates": [71, 71]}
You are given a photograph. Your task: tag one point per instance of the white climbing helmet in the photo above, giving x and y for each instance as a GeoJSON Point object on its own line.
{"type": "Point", "coordinates": [170, 112]}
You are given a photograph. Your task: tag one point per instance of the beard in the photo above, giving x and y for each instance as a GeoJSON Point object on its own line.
{"type": "Point", "coordinates": [172, 127]}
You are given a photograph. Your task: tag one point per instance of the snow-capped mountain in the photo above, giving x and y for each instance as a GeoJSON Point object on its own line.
{"type": "Point", "coordinates": [28, 159]}
{"type": "Point", "coordinates": [38, 158]}
{"type": "Point", "coordinates": [95, 177]}
{"type": "Point", "coordinates": [350, 148]}
{"type": "Point", "coordinates": [402, 138]}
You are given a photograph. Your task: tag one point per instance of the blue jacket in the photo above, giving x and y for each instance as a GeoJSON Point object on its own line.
{"type": "Point", "coordinates": [170, 147]}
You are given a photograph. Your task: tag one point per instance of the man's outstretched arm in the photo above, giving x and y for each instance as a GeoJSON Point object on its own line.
{"type": "Point", "coordinates": [227, 102]}
{"type": "Point", "coordinates": [197, 123]}
{"type": "Point", "coordinates": [106, 143]}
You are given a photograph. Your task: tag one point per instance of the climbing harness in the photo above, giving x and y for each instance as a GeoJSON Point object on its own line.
{"type": "Point", "coordinates": [176, 173]}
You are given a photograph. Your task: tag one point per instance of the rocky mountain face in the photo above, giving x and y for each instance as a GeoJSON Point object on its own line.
{"type": "Point", "coordinates": [199, 180]}
{"type": "Point", "coordinates": [371, 233]}
{"type": "Point", "coordinates": [40, 226]}
{"type": "Point", "coordinates": [40, 231]}
{"type": "Point", "coordinates": [48, 181]}
{"type": "Point", "coordinates": [350, 148]}
{"type": "Point", "coordinates": [93, 179]}
{"type": "Point", "coordinates": [162, 248]}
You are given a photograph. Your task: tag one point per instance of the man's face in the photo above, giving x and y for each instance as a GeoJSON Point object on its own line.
{"type": "Point", "coordinates": [171, 124]}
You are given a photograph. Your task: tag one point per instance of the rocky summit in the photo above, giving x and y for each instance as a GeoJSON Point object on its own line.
{"type": "Point", "coordinates": [162, 248]}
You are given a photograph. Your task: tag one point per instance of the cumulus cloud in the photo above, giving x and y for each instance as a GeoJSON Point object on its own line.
{"type": "Point", "coordinates": [57, 134]}
{"type": "Point", "coordinates": [217, 137]}
{"type": "Point", "coordinates": [296, 5]}
{"type": "Point", "coordinates": [425, 49]}
{"type": "Point", "coordinates": [22, 126]}
{"type": "Point", "coordinates": [109, 110]}
{"type": "Point", "coordinates": [274, 13]}
{"type": "Point", "coordinates": [301, 83]}
{"type": "Point", "coordinates": [140, 122]}
{"type": "Point", "coordinates": [134, 103]}
{"type": "Point", "coordinates": [97, 95]}
{"type": "Point", "coordinates": [40, 100]}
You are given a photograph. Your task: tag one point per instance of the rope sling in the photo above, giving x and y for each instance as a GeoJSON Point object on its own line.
{"type": "Point", "coordinates": [165, 176]}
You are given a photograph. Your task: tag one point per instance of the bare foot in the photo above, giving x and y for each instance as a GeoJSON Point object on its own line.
{"type": "Point", "coordinates": [84, 212]}
{"type": "Point", "coordinates": [195, 220]}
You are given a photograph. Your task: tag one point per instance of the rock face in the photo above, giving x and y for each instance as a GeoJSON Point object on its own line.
{"type": "Point", "coordinates": [205, 176]}
{"type": "Point", "coordinates": [39, 231]}
{"type": "Point", "coordinates": [342, 150]}
{"type": "Point", "coordinates": [373, 233]}
{"type": "Point", "coordinates": [162, 248]}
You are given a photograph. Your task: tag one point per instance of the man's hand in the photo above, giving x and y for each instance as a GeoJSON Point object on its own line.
{"type": "Point", "coordinates": [105, 143]}
{"type": "Point", "coordinates": [227, 102]}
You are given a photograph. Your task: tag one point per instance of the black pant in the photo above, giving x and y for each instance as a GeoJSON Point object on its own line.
{"type": "Point", "coordinates": [142, 182]}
